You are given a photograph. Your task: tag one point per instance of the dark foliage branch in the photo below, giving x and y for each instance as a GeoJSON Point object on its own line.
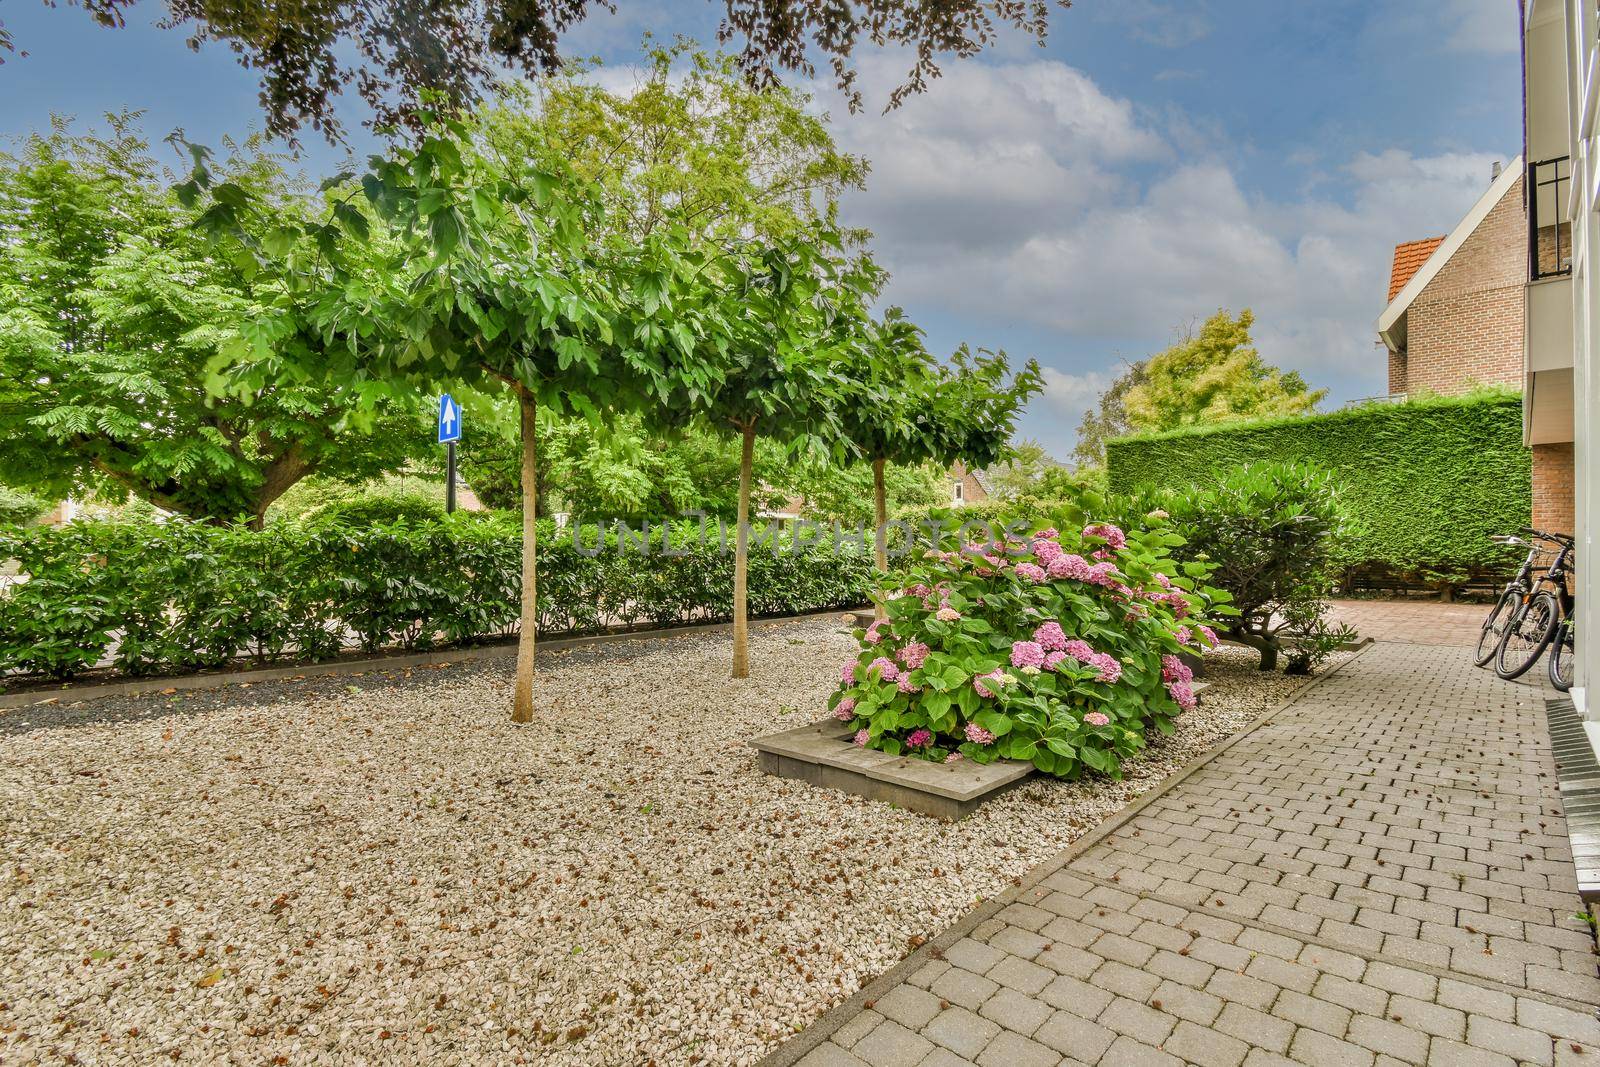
{"type": "Point", "coordinates": [455, 47]}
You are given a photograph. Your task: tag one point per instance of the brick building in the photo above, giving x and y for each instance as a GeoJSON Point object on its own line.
{"type": "Point", "coordinates": [1457, 319]}
{"type": "Point", "coordinates": [967, 487]}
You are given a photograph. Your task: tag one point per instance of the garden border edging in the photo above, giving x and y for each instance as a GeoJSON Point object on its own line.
{"type": "Point", "coordinates": [826, 1025]}
{"type": "Point", "coordinates": [348, 668]}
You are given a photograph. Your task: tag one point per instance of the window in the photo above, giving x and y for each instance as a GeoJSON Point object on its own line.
{"type": "Point", "coordinates": [956, 491]}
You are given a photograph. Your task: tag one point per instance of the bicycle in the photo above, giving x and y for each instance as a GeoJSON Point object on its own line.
{"type": "Point", "coordinates": [1516, 591]}
{"type": "Point", "coordinates": [1534, 624]}
{"type": "Point", "coordinates": [1561, 654]}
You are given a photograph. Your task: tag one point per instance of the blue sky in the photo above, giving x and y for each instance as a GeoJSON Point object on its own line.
{"type": "Point", "coordinates": [1078, 204]}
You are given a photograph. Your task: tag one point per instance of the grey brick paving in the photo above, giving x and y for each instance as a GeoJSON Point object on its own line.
{"type": "Point", "coordinates": [1377, 876]}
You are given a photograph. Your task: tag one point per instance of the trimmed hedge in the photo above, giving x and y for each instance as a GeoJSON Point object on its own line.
{"type": "Point", "coordinates": [176, 597]}
{"type": "Point", "coordinates": [1425, 483]}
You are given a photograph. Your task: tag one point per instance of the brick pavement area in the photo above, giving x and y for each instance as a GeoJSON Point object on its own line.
{"type": "Point", "coordinates": [1378, 875]}
{"type": "Point", "coordinates": [1423, 622]}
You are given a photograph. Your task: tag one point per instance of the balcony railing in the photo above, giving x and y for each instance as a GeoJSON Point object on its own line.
{"type": "Point", "coordinates": [1549, 228]}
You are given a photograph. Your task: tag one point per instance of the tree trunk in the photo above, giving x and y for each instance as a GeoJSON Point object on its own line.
{"type": "Point", "coordinates": [1266, 645]}
{"type": "Point", "coordinates": [741, 553]}
{"type": "Point", "coordinates": [880, 537]}
{"type": "Point", "coordinates": [522, 699]}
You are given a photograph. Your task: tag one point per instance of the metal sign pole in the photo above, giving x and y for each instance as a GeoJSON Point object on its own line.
{"type": "Point", "coordinates": [450, 478]}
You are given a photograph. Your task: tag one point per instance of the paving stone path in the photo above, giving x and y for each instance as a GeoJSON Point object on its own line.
{"type": "Point", "coordinates": [1378, 875]}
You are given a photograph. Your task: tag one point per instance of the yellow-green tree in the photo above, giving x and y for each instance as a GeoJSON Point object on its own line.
{"type": "Point", "coordinates": [1214, 375]}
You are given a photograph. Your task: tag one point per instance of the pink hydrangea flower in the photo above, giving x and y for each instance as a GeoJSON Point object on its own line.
{"type": "Point", "coordinates": [1071, 566]}
{"type": "Point", "coordinates": [1208, 635]}
{"type": "Point", "coordinates": [1097, 718]}
{"type": "Point", "coordinates": [1050, 635]}
{"type": "Point", "coordinates": [1183, 694]}
{"type": "Point", "coordinates": [846, 709]}
{"type": "Point", "coordinates": [1032, 572]}
{"type": "Point", "coordinates": [1104, 573]}
{"type": "Point", "coordinates": [1052, 660]}
{"type": "Point", "coordinates": [978, 735]}
{"type": "Point", "coordinates": [1049, 533]}
{"type": "Point", "coordinates": [1046, 551]}
{"type": "Point", "coordinates": [997, 678]}
{"type": "Point", "coordinates": [1027, 654]}
{"type": "Point", "coordinates": [847, 675]}
{"type": "Point", "coordinates": [905, 686]}
{"type": "Point", "coordinates": [1109, 670]}
{"type": "Point", "coordinates": [1174, 669]}
{"type": "Point", "coordinates": [874, 632]}
{"type": "Point", "coordinates": [1163, 581]}
{"type": "Point", "coordinates": [947, 614]}
{"type": "Point", "coordinates": [863, 736]}
{"type": "Point", "coordinates": [913, 655]}
{"type": "Point", "coordinates": [1184, 635]}
{"type": "Point", "coordinates": [952, 757]}
{"type": "Point", "coordinates": [920, 738]}
{"type": "Point", "coordinates": [1111, 534]}
{"type": "Point", "coordinates": [885, 668]}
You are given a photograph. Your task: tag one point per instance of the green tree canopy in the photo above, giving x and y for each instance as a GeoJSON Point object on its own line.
{"type": "Point", "coordinates": [1029, 464]}
{"type": "Point", "coordinates": [111, 308]}
{"type": "Point", "coordinates": [1215, 375]}
{"type": "Point", "coordinates": [689, 143]}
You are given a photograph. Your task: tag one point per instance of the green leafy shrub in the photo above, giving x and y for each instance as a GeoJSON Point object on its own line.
{"type": "Point", "coordinates": [1270, 532]}
{"type": "Point", "coordinates": [18, 508]}
{"type": "Point", "coordinates": [1425, 483]}
{"type": "Point", "coordinates": [181, 596]}
{"type": "Point", "coordinates": [367, 510]}
{"type": "Point", "coordinates": [1058, 649]}
{"type": "Point", "coordinates": [60, 621]}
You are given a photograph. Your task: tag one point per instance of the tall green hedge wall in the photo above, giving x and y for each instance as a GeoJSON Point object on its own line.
{"type": "Point", "coordinates": [1426, 482]}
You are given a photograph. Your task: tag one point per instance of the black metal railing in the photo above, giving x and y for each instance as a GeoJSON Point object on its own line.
{"type": "Point", "coordinates": [1549, 228]}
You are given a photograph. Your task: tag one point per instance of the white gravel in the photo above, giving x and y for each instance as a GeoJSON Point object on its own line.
{"type": "Point", "coordinates": [385, 869]}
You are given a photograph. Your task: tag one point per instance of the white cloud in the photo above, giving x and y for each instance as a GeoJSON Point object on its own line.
{"type": "Point", "coordinates": [1472, 26]}
{"type": "Point", "coordinates": [1069, 395]}
{"type": "Point", "coordinates": [1481, 26]}
{"type": "Point", "coordinates": [1024, 196]}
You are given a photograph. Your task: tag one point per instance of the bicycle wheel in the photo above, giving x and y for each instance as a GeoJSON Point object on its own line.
{"type": "Point", "coordinates": [1494, 627]}
{"type": "Point", "coordinates": [1561, 657]}
{"type": "Point", "coordinates": [1530, 630]}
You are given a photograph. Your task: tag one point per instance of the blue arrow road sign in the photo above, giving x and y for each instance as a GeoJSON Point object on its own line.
{"type": "Point", "coordinates": [449, 419]}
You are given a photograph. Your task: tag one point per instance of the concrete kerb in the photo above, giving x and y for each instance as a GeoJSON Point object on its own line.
{"type": "Point", "coordinates": [796, 1047]}
{"type": "Point", "coordinates": [71, 694]}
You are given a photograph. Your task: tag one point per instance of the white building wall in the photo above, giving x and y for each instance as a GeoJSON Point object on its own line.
{"type": "Point", "coordinates": [1578, 74]}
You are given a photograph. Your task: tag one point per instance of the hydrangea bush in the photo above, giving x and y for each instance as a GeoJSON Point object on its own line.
{"type": "Point", "coordinates": [1058, 648]}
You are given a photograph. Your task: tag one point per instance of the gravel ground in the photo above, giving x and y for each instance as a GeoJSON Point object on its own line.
{"type": "Point", "coordinates": [383, 869]}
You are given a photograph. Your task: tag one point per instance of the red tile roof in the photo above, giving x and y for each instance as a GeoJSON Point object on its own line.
{"type": "Point", "coordinates": [1408, 259]}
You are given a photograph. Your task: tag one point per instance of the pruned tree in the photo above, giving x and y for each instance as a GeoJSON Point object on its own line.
{"type": "Point", "coordinates": [479, 269]}
{"type": "Point", "coordinates": [904, 407]}
{"type": "Point", "coordinates": [400, 52]}
{"type": "Point", "coordinates": [784, 378]}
